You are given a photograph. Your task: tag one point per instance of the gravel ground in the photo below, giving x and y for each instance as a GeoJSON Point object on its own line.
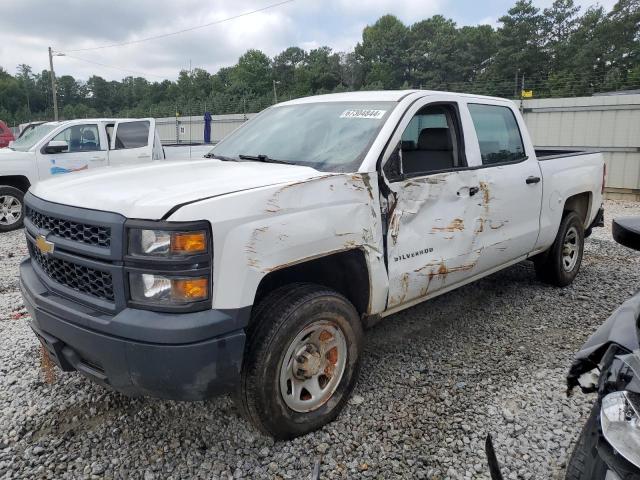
{"type": "Point", "coordinates": [487, 358]}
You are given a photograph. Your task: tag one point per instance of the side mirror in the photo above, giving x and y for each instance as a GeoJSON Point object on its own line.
{"type": "Point", "coordinates": [626, 231]}
{"type": "Point", "coordinates": [56, 146]}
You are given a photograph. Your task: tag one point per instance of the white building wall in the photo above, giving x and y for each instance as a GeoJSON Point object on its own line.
{"type": "Point", "coordinates": [191, 129]}
{"type": "Point", "coordinates": [608, 123]}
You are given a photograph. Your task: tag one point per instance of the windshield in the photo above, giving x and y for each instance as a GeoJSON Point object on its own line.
{"type": "Point", "coordinates": [32, 137]}
{"type": "Point", "coordinates": [330, 136]}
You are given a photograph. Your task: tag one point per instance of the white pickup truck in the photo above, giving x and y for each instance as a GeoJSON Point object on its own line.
{"type": "Point", "coordinates": [55, 148]}
{"type": "Point", "coordinates": [255, 270]}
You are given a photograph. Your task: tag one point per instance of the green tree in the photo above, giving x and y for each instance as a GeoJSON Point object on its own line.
{"type": "Point", "coordinates": [383, 52]}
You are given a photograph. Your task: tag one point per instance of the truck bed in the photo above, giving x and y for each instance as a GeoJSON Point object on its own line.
{"type": "Point", "coordinates": [570, 173]}
{"type": "Point", "coordinates": [552, 153]}
{"type": "Point", "coordinates": [181, 151]}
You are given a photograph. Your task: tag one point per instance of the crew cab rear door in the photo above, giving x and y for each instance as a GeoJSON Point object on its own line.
{"type": "Point", "coordinates": [510, 182]}
{"type": "Point", "coordinates": [433, 201]}
{"type": "Point", "coordinates": [131, 141]}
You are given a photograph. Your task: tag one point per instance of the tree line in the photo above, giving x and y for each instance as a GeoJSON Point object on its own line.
{"type": "Point", "coordinates": [557, 51]}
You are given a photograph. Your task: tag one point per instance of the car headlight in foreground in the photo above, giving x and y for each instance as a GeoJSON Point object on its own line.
{"type": "Point", "coordinates": [620, 421]}
{"type": "Point", "coordinates": [168, 265]}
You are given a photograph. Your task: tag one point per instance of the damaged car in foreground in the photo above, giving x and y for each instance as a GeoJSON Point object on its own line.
{"type": "Point", "coordinates": [609, 364]}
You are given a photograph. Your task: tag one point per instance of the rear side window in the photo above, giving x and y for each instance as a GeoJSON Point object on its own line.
{"type": "Point", "coordinates": [132, 135]}
{"type": "Point", "coordinates": [498, 134]}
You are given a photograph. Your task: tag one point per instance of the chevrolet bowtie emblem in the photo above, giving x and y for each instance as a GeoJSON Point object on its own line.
{"type": "Point", "coordinates": [44, 245]}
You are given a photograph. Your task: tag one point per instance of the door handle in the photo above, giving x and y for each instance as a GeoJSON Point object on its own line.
{"type": "Point", "coordinates": [95, 159]}
{"type": "Point", "coordinates": [532, 179]}
{"type": "Point", "coordinates": [473, 191]}
{"type": "Point", "coordinates": [144, 156]}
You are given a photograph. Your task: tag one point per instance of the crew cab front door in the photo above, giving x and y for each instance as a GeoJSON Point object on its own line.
{"type": "Point", "coordinates": [131, 141]}
{"type": "Point", "coordinates": [86, 148]}
{"type": "Point", "coordinates": [433, 203]}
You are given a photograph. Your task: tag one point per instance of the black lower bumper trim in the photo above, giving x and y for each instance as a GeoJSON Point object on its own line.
{"type": "Point", "coordinates": [185, 371]}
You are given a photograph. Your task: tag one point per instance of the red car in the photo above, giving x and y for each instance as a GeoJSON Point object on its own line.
{"type": "Point", "coordinates": [5, 135]}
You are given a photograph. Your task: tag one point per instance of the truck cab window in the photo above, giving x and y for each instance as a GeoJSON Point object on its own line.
{"type": "Point", "coordinates": [498, 134]}
{"type": "Point", "coordinates": [80, 138]}
{"type": "Point", "coordinates": [132, 135]}
{"type": "Point", "coordinates": [431, 141]}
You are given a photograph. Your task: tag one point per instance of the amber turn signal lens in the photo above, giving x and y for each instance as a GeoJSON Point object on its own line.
{"type": "Point", "coordinates": [190, 289]}
{"type": "Point", "coordinates": [189, 242]}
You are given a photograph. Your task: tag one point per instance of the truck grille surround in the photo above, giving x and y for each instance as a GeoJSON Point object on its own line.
{"type": "Point", "coordinates": [84, 260]}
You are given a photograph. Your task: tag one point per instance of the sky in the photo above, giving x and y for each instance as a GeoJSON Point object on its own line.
{"type": "Point", "coordinates": [28, 27]}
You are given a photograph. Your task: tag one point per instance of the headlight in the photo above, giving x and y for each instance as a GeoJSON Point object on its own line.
{"type": "Point", "coordinates": [620, 420]}
{"type": "Point", "coordinates": [167, 289]}
{"type": "Point", "coordinates": [166, 243]}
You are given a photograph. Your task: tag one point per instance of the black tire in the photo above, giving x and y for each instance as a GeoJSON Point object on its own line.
{"type": "Point", "coordinates": [550, 266]}
{"type": "Point", "coordinates": [18, 195]}
{"type": "Point", "coordinates": [585, 463]}
{"type": "Point", "coordinates": [276, 322]}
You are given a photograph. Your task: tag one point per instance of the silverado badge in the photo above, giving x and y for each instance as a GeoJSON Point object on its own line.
{"type": "Point", "coordinates": [44, 245]}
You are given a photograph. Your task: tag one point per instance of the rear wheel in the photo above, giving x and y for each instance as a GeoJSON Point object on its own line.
{"type": "Point", "coordinates": [585, 463]}
{"type": "Point", "coordinates": [560, 264]}
{"type": "Point", "coordinates": [301, 361]}
{"type": "Point", "coordinates": [11, 208]}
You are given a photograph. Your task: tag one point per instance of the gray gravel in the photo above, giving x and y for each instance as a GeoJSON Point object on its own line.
{"type": "Point", "coordinates": [487, 358]}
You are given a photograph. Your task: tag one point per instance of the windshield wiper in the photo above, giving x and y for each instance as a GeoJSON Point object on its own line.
{"type": "Point", "coordinates": [220, 157]}
{"type": "Point", "coordinates": [263, 158]}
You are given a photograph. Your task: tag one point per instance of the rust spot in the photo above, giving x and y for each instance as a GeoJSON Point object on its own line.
{"type": "Point", "coordinates": [456, 224]}
{"type": "Point", "coordinates": [350, 244]}
{"type": "Point", "coordinates": [404, 284]}
{"type": "Point", "coordinates": [498, 225]}
{"type": "Point", "coordinates": [47, 365]}
{"type": "Point", "coordinates": [480, 226]}
{"type": "Point", "coordinates": [486, 194]}
{"type": "Point", "coordinates": [394, 225]}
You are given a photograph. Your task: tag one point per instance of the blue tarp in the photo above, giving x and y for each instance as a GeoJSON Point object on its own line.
{"type": "Point", "coordinates": [207, 127]}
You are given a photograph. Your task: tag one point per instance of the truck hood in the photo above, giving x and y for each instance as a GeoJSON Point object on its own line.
{"type": "Point", "coordinates": [8, 154]}
{"type": "Point", "coordinates": [149, 191]}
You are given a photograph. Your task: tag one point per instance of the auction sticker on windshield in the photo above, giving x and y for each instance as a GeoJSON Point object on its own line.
{"type": "Point", "coordinates": [363, 113]}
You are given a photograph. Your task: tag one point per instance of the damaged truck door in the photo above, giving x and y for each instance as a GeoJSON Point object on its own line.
{"type": "Point", "coordinates": [432, 237]}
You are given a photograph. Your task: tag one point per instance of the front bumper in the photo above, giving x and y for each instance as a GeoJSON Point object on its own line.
{"type": "Point", "coordinates": [186, 356]}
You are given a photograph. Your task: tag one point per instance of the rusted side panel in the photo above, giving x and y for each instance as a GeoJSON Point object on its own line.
{"type": "Point", "coordinates": [282, 225]}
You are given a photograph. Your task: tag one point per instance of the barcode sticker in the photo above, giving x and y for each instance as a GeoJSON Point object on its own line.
{"type": "Point", "coordinates": [363, 113]}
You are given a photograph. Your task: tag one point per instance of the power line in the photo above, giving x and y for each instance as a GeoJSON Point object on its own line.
{"type": "Point", "coordinates": [178, 32]}
{"type": "Point", "coordinates": [113, 66]}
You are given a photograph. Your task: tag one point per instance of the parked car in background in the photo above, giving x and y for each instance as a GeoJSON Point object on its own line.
{"type": "Point", "coordinates": [609, 364]}
{"type": "Point", "coordinates": [6, 136]}
{"type": "Point", "coordinates": [256, 270]}
{"type": "Point", "coordinates": [50, 149]}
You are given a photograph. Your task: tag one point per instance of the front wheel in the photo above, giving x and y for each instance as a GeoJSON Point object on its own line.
{"type": "Point", "coordinates": [301, 361]}
{"type": "Point", "coordinates": [560, 264]}
{"type": "Point", "coordinates": [585, 463]}
{"type": "Point", "coordinates": [11, 208]}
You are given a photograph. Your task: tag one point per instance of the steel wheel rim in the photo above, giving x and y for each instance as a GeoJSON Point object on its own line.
{"type": "Point", "coordinates": [570, 249]}
{"type": "Point", "coordinates": [313, 366]}
{"type": "Point", "coordinates": [10, 210]}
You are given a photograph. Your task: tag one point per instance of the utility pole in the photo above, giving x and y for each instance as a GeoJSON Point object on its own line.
{"type": "Point", "coordinates": [275, 95]}
{"type": "Point", "coordinates": [53, 82]}
{"type": "Point", "coordinates": [521, 95]}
